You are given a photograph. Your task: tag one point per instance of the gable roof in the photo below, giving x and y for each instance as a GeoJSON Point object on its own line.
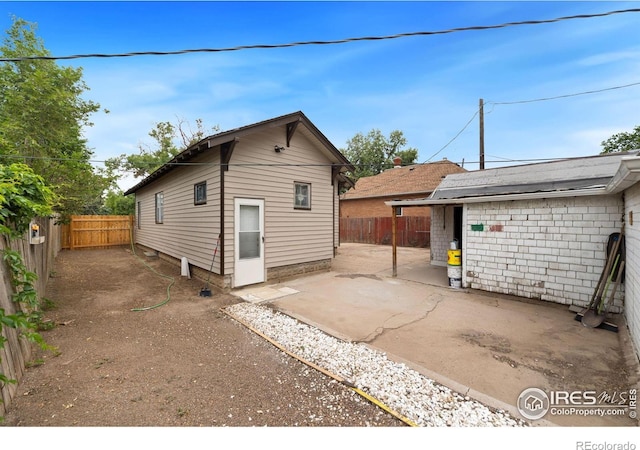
{"type": "Point", "coordinates": [414, 179]}
{"type": "Point", "coordinates": [589, 175]}
{"type": "Point", "coordinates": [291, 123]}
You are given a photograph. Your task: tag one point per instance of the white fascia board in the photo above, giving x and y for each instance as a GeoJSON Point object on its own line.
{"type": "Point", "coordinates": [627, 175]}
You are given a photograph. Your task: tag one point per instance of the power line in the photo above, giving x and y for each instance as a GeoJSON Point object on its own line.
{"type": "Point", "coordinates": [455, 137]}
{"type": "Point", "coordinates": [370, 38]}
{"type": "Point", "coordinates": [217, 164]}
{"type": "Point", "coordinates": [595, 91]}
{"type": "Point", "coordinates": [329, 42]}
{"type": "Point", "coordinates": [502, 158]}
{"type": "Point", "coordinates": [362, 165]}
{"type": "Point", "coordinates": [194, 164]}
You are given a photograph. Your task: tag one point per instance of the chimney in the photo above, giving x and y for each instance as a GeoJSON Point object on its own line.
{"type": "Point", "coordinates": [397, 162]}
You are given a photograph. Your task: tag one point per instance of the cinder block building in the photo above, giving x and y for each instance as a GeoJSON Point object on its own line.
{"type": "Point", "coordinates": [542, 231]}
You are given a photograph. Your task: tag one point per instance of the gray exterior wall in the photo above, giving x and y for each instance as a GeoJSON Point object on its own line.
{"type": "Point", "coordinates": [187, 230]}
{"type": "Point", "coordinates": [292, 236]}
{"type": "Point", "coordinates": [548, 249]}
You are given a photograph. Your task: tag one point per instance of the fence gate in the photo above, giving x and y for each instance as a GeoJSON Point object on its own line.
{"type": "Point", "coordinates": [96, 232]}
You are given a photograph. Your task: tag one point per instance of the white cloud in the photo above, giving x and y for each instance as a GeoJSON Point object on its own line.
{"type": "Point", "coordinates": [227, 91]}
{"type": "Point", "coordinates": [630, 55]}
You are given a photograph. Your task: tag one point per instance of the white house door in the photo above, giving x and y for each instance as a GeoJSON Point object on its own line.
{"type": "Point", "coordinates": [249, 242]}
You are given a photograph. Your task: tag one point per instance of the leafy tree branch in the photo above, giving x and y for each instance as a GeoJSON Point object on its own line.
{"type": "Point", "coordinates": [373, 153]}
{"type": "Point", "coordinates": [622, 142]}
{"type": "Point", "coordinates": [23, 196]}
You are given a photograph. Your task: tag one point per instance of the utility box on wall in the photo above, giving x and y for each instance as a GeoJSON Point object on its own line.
{"type": "Point", "coordinates": [34, 234]}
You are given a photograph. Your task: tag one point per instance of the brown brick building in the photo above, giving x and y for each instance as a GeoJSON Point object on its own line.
{"type": "Point", "coordinates": [364, 217]}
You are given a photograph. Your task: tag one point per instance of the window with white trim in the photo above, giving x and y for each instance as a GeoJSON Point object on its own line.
{"type": "Point", "coordinates": [302, 195]}
{"type": "Point", "coordinates": [159, 207]}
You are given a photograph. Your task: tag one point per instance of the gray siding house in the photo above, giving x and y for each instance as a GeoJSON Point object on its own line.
{"type": "Point", "coordinates": [541, 230]}
{"type": "Point", "coordinates": [263, 198]}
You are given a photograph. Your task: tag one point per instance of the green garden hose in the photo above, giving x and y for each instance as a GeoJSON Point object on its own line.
{"type": "Point", "coordinates": [147, 308]}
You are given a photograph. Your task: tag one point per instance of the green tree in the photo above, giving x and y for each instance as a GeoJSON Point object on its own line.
{"type": "Point", "coordinates": [169, 140]}
{"type": "Point", "coordinates": [373, 153]}
{"type": "Point", "coordinates": [622, 142]}
{"type": "Point", "coordinates": [116, 203]}
{"type": "Point", "coordinates": [42, 116]}
{"type": "Point", "coordinates": [23, 196]}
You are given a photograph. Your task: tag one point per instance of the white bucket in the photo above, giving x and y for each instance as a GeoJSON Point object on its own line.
{"type": "Point", "coordinates": [455, 282]}
{"type": "Point", "coordinates": [454, 271]}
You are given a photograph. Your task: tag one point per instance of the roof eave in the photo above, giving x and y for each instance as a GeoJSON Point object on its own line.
{"type": "Point", "coordinates": [600, 190]}
{"type": "Point", "coordinates": [627, 175]}
{"type": "Point", "coordinates": [393, 194]}
{"type": "Point", "coordinates": [234, 134]}
{"type": "Point", "coordinates": [180, 158]}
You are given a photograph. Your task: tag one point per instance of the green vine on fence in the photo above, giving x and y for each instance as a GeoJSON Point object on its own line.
{"type": "Point", "coordinates": [24, 195]}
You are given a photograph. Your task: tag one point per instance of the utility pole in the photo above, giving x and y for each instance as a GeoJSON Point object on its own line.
{"type": "Point", "coordinates": [481, 112]}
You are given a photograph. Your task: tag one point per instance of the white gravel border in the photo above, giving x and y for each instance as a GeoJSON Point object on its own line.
{"type": "Point", "coordinates": [421, 401]}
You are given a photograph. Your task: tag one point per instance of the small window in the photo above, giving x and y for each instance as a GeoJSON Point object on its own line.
{"type": "Point", "coordinates": [139, 217]}
{"type": "Point", "coordinates": [159, 207]}
{"type": "Point", "coordinates": [200, 193]}
{"type": "Point", "coordinates": [398, 210]}
{"type": "Point", "coordinates": [302, 196]}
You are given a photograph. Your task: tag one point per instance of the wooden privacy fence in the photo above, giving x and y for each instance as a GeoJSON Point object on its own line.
{"type": "Point", "coordinates": [412, 231]}
{"type": "Point", "coordinates": [96, 232]}
{"type": "Point", "coordinates": [39, 259]}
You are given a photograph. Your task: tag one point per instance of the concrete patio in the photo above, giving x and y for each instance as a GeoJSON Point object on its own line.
{"type": "Point", "coordinates": [490, 347]}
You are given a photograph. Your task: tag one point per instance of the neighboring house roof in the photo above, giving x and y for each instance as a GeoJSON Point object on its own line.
{"type": "Point", "coordinates": [292, 122]}
{"type": "Point", "coordinates": [414, 179]}
{"type": "Point", "coordinates": [591, 175]}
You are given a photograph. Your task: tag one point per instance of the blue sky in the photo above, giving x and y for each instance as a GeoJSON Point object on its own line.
{"type": "Point", "coordinates": [428, 87]}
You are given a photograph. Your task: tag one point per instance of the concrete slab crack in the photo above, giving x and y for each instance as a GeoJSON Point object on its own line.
{"type": "Point", "coordinates": [371, 276]}
{"type": "Point", "coordinates": [371, 338]}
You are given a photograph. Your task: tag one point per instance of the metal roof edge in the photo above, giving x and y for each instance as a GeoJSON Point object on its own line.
{"type": "Point", "coordinates": [393, 194]}
{"type": "Point", "coordinates": [600, 190]}
{"type": "Point", "coordinates": [627, 175]}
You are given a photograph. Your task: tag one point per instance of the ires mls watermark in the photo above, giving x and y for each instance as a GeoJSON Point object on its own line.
{"type": "Point", "coordinates": [534, 403]}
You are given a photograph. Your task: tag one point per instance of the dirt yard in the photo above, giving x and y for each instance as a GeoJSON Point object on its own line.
{"type": "Point", "coordinates": [182, 363]}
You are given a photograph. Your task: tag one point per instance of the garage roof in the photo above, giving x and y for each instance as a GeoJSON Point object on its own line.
{"type": "Point", "coordinates": [572, 176]}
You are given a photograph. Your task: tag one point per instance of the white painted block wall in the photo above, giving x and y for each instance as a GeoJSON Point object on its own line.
{"type": "Point", "coordinates": [441, 233]}
{"type": "Point", "coordinates": [548, 249]}
{"type": "Point", "coordinates": [632, 239]}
